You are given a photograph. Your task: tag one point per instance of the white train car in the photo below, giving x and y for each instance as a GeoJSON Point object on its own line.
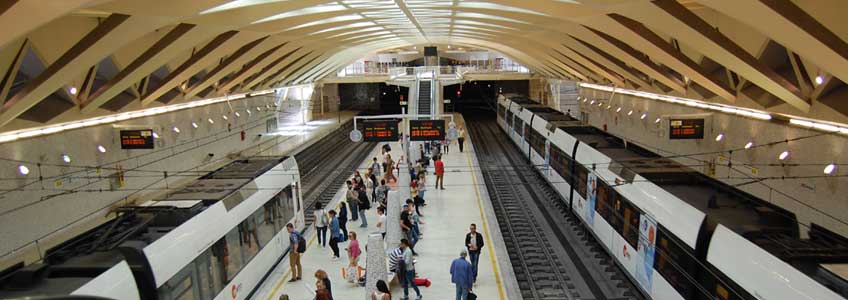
{"type": "Point", "coordinates": [654, 227]}
{"type": "Point", "coordinates": [215, 238]}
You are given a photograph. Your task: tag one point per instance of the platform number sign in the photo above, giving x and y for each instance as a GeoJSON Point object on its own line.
{"type": "Point", "coordinates": [681, 129]}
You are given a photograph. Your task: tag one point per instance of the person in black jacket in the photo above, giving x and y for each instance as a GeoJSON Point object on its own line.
{"type": "Point", "coordinates": [474, 242]}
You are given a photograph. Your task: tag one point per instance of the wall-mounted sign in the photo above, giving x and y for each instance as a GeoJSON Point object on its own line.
{"type": "Point", "coordinates": [137, 139]}
{"type": "Point", "coordinates": [680, 129]}
{"type": "Point", "coordinates": [380, 130]}
{"type": "Point", "coordinates": [426, 130]}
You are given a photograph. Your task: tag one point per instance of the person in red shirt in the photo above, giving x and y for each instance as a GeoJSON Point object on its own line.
{"type": "Point", "coordinates": [440, 173]}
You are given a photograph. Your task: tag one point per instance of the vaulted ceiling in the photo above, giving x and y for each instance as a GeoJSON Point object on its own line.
{"type": "Point", "coordinates": [63, 60]}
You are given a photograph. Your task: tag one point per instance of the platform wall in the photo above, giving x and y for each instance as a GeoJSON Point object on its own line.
{"type": "Point", "coordinates": [819, 200]}
{"type": "Point", "coordinates": [37, 214]}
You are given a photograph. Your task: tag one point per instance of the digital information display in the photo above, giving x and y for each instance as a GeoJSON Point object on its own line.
{"type": "Point", "coordinates": [426, 130]}
{"type": "Point", "coordinates": [137, 139]}
{"type": "Point", "coordinates": [683, 129]}
{"type": "Point", "coordinates": [380, 130]}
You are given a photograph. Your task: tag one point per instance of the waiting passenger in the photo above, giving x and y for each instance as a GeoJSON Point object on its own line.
{"type": "Point", "coordinates": [321, 292]}
{"type": "Point", "coordinates": [343, 212]}
{"type": "Point", "coordinates": [460, 137]}
{"type": "Point", "coordinates": [381, 221]}
{"type": "Point", "coordinates": [382, 292]}
{"type": "Point", "coordinates": [353, 250]}
{"type": "Point", "coordinates": [375, 167]}
{"type": "Point", "coordinates": [382, 192]}
{"type": "Point", "coordinates": [324, 279]}
{"type": "Point", "coordinates": [335, 234]}
{"type": "Point", "coordinates": [440, 173]}
{"type": "Point", "coordinates": [362, 204]}
{"type": "Point", "coordinates": [351, 196]}
{"type": "Point", "coordinates": [294, 255]}
{"type": "Point", "coordinates": [321, 222]}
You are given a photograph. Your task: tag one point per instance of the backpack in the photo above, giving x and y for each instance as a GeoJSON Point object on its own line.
{"type": "Point", "coordinates": [301, 243]}
{"type": "Point", "coordinates": [363, 200]}
{"type": "Point", "coordinates": [324, 219]}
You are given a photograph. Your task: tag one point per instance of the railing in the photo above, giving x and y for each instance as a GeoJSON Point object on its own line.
{"type": "Point", "coordinates": [400, 72]}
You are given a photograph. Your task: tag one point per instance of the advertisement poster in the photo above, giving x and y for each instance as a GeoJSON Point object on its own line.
{"type": "Point", "coordinates": [647, 241]}
{"type": "Point", "coordinates": [592, 197]}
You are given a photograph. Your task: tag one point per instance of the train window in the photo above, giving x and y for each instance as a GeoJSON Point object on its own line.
{"type": "Point", "coordinates": [501, 111]}
{"type": "Point", "coordinates": [631, 223]}
{"type": "Point", "coordinates": [249, 238]}
{"type": "Point", "coordinates": [509, 118]}
{"type": "Point", "coordinates": [674, 263]}
{"type": "Point", "coordinates": [603, 205]}
{"type": "Point", "coordinates": [182, 286]}
{"type": "Point", "coordinates": [561, 163]}
{"type": "Point", "coordinates": [285, 204]}
{"type": "Point", "coordinates": [235, 261]}
{"type": "Point", "coordinates": [582, 174]}
{"type": "Point", "coordinates": [537, 141]}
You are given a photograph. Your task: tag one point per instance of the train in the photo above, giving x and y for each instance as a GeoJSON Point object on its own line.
{"type": "Point", "coordinates": [213, 238]}
{"type": "Point", "coordinates": [677, 233]}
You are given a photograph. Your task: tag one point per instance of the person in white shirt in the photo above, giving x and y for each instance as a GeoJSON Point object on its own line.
{"type": "Point", "coordinates": [381, 221]}
{"type": "Point", "coordinates": [321, 222]}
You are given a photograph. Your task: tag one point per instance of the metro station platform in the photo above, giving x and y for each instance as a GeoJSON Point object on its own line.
{"type": "Point", "coordinates": [446, 218]}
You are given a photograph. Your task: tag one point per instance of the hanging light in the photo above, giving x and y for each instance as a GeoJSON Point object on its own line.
{"type": "Point", "coordinates": [225, 117]}
{"type": "Point", "coordinates": [66, 158]}
{"type": "Point", "coordinates": [749, 145]}
{"type": "Point", "coordinates": [618, 110]}
{"type": "Point", "coordinates": [830, 168]}
{"type": "Point", "coordinates": [193, 124]}
{"type": "Point", "coordinates": [176, 129]}
{"type": "Point", "coordinates": [238, 115]}
{"type": "Point", "coordinates": [783, 155]}
{"type": "Point", "coordinates": [719, 137]}
{"type": "Point", "coordinates": [644, 115]}
{"type": "Point", "coordinates": [630, 112]}
{"type": "Point", "coordinates": [23, 170]}
{"type": "Point", "coordinates": [258, 108]}
{"type": "Point", "coordinates": [211, 121]}
{"type": "Point", "coordinates": [657, 120]}
{"type": "Point", "coordinates": [592, 103]}
{"type": "Point", "coordinates": [609, 106]}
{"type": "Point", "coordinates": [101, 148]}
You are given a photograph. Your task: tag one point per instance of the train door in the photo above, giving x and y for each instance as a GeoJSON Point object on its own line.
{"type": "Point", "coordinates": [185, 285]}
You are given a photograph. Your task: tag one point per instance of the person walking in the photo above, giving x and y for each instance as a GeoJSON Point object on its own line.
{"type": "Point", "coordinates": [408, 273]}
{"type": "Point", "coordinates": [335, 234]}
{"type": "Point", "coordinates": [375, 166]}
{"type": "Point", "coordinates": [460, 138]}
{"type": "Point", "coordinates": [422, 185]}
{"type": "Point", "coordinates": [295, 239]}
{"type": "Point", "coordinates": [462, 276]}
{"type": "Point", "coordinates": [382, 292]}
{"type": "Point", "coordinates": [323, 278]}
{"type": "Point", "coordinates": [447, 143]}
{"type": "Point", "coordinates": [364, 204]}
{"type": "Point", "coordinates": [381, 221]}
{"type": "Point", "coordinates": [388, 170]}
{"type": "Point", "coordinates": [440, 173]}
{"type": "Point", "coordinates": [343, 214]}
{"type": "Point", "coordinates": [474, 242]}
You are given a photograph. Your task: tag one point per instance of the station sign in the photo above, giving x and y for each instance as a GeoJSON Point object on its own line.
{"type": "Point", "coordinates": [683, 129]}
{"type": "Point", "coordinates": [426, 130]}
{"type": "Point", "coordinates": [380, 130]}
{"type": "Point", "coordinates": [137, 139]}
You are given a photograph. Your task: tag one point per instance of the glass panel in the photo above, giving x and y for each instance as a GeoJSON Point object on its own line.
{"type": "Point", "coordinates": [205, 279]}
{"type": "Point", "coordinates": [236, 261]}
{"type": "Point", "coordinates": [248, 238]}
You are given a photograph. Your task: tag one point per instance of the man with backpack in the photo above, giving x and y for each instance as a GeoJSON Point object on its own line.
{"type": "Point", "coordinates": [298, 246]}
{"type": "Point", "coordinates": [364, 204]}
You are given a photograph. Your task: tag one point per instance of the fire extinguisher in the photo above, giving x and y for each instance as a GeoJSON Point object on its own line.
{"type": "Point", "coordinates": [242, 135]}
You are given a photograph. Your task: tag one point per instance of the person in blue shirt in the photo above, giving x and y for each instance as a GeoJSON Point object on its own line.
{"type": "Point", "coordinates": [462, 275]}
{"type": "Point", "coordinates": [335, 234]}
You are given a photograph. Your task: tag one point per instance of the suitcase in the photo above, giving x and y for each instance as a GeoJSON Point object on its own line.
{"type": "Point", "coordinates": [422, 282]}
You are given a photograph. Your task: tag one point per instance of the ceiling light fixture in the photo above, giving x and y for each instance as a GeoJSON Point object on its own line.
{"type": "Point", "coordinates": [618, 110]}
{"type": "Point", "coordinates": [719, 137]}
{"type": "Point", "coordinates": [211, 121]}
{"type": "Point", "coordinates": [749, 145]}
{"type": "Point", "coordinates": [830, 168]}
{"type": "Point", "coordinates": [630, 112]}
{"type": "Point", "coordinates": [101, 148]}
{"type": "Point", "coordinates": [644, 115]}
{"type": "Point", "coordinates": [23, 170]}
{"type": "Point", "coordinates": [238, 115]}
{"type": "Point", "coordinates": [225, 117]}
{"type": "Point", "coordinates": [657, 120]}
{"type": "Point", "coordinates": [783, 155]}
{"type": "Point", "coordinates": [193, 124]}
{"type": "Point", "coordinates": [66, 158]}
{"type": "Point", "coordinates": [176, 129]}
{"type": "Point", "coordinates": [819, 80]}
{"type": "Point", "coordinates": [155, 135]}
{"type": "Point", "coordinates": [73, 90]}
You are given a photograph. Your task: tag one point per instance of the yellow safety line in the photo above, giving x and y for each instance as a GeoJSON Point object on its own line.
{"type": "Point", "coordinates": [286, 275]}
{"type": "Point", "coordinates": [485, 229]}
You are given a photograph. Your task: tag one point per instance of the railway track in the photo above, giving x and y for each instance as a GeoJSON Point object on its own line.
{"type": "Point", "coordinates": [551, 254]}
{"type": "Point", "coordinates": [327, 164]}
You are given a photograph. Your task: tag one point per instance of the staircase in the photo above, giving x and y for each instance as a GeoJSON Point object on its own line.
{"type": "Point", "coordinates": [425, 97]}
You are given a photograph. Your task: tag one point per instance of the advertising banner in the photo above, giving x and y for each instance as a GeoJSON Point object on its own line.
{"type": "Point", "coordinates": [591, 197]}
{"type": "Point", "coordinates": [647, 242]}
